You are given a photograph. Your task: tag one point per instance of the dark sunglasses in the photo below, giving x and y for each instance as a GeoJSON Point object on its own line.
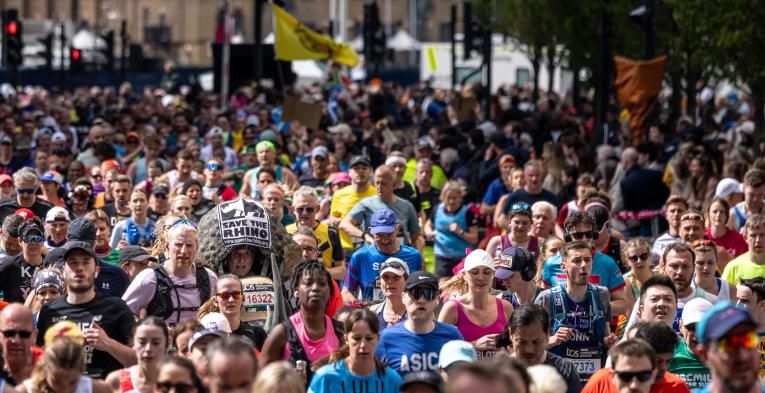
{"type": "Point", "coordinates": [33, 239]}
{"type": "Point", "coordinates": [25, 190]}
{"type": "Point", "coordinates": [520, 206]}
{"type": "Point", "coordinates": [214, 166]}
{"type": "Point", "coordinates": [692, 217]}
{"type": "Point", "coordinates": [236, 295]}
{"type": "Point", "coordinates": [306, 209]}
{"type": "Point", "coordinates": [13, 333]}
{"type": "Point", "coordinates": [165, 387]}
{"type": "Point", "coordinates": [393, 264]}
{"type": "Point", "coordinates": [642, 257]}
{"type": "Point", "coordinates": [160, 196]}
{"type": "Point", "coordinates": [429, 294]}
{"type": "Point", "coordinates": [628, 376]}
{"type": "Point", "coordinates": [581, 235]}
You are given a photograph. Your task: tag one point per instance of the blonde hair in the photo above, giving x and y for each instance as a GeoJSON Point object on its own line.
{"type": "Point", "coordinates": [452, 186]}
{"type": "Point", "coordinates": [63, 353]}
{"type": "Point", "coordinates": [455, 286]}
{"type": "Point", "coordinates": [545, 379]}
{"type": "Point", "coordinates": [160, 232]}
{"type": "Point", "coordinates": [278, 377]}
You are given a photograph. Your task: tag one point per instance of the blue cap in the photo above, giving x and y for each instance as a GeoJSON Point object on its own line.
{"type": "Point", "coordinates": [720, 319]}
{"type": "Point", "coordinates": [82, 230]}
{"type": "Point", "coordinates": [383, 221]}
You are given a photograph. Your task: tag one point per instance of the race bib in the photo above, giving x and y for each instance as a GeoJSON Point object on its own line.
{"type": "Point", "coordinates": [258, 297]}
{"type": "Point", "coordinates": [586, 366]}
{"type": "Point", "coordinates": [378, 296]}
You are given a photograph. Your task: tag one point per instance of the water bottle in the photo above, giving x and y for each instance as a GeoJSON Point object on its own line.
{"type": "Point", "coordinates": [301, 367]}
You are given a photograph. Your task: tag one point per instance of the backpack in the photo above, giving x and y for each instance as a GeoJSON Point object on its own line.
{"type": "Point", "coordinates": [597, 314]}
{"type": "Point", "coordinates": [161, 304]}
{"type": "Point", "coordinates": [297, 352]}
{"type": "Point", "coordinates": [136, 236]}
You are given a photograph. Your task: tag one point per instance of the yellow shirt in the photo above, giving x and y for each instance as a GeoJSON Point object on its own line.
{"type": "Point", "coordinates": [742, 268]}
{"type": "Point", "coordinates": [325, 245]}
{"type": "Point", "coordinates": [437, 181]}
{"type": "Point", "coordinates": [343, 201]}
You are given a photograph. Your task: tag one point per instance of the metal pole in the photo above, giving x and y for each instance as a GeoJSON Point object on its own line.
{"type": "Point", "coordinates": [226, 57]}
{"type": "Point", "coordinates": [258, 63]}
{"type": "Point", "coordinates": [604, 71]}
{"type": "Point", "coordinates": [342, 20]}
{"type": "Point", "coordinates": [61, 54]}
{"type": "Point", "coordinates": [332, 18]}
{"type": "Point", "coordinates": [650, 37]}
{"type": "Point", "coordinates": [388, 10]}
{"type": "Point", "coordinates": [453, 26]}
{"type": "Point", "coordinates": [487, 49]}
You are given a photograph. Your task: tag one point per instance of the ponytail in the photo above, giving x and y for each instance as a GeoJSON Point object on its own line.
{"type": "Point", "coordinates": [455, 286]}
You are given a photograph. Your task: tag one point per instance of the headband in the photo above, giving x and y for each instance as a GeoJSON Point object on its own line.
{"type": "Point", "coordinates": [265, 145]}
{"type": "Point", "coordinates": [392, 160]}
{"type": "Point", "coordinates": [275, 188]}
{"type": "Point", "coordinates": [596, 203]}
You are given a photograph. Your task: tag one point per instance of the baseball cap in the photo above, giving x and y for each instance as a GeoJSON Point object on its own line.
{"type": "Point", "coordinates": [4, 178]}
{"type": "Point", "coordinates": [728, 186]}
{"type": "Point", "coordinates": [395, 266]}
{"type": "Point", "coordinates": [355, 160]}
{"type": "Point", "coordinates": [48, 279]}
{"type": "Point", "coordinates": [133, 134]}
{"type": "Point", "coordinates": [31, 228]}
{"type": "Point", "coordinates": [383, 221]}
{"type": "Point", "coordinates": [52, 176]}
{"type": "Point", "coordinates": [320, 151]}
{"type": "Point", "coordinates": [694, 310]}
{"type": "Point", "coordinates": [421, 278]}
{"type": "Point", "coordinates": [268, 135]}
{"type": "Point", "coordinates": [135, 253]}
{"type": "Point", "coordinates": [506, 159]}
{"type": "Point", "coordinates": [424, 143]}
{"type": "Point", "coordinates": [478, 258]}
{"type": "Point", "coordinates": [54, 257]}
{"type": "Point", "coordinates": [512, 259]}
{"type": "Point", "coordinates": [215, 131]}
{"type": "Point", "coordinates": [199, 334]}
{"type": "Point", "coordinates": [24, 212]}
{"type": "Point", "coordinates": [340, 177]}
{"type": "Point", "coordinates": [81, 229]}
{"type": "Point", "coordinates": [108, 165]}
{"type": "Point", "coordinates": [456, 351]}
{"type": "Point", "coordinates": [428, 378]}
{"type": "Point", "coordinates": [252, 121]}
{"type": "Point", "coordinates": [600, 213]}
{"type": "Point", "coordinates": [720, 319]}
{"type": "Point", "coordinates": [57, 214]}
{"type": "Point", "coordinates": [5, 139]}
{"type": "Point", "coordinates": [74, 245]}
{"type": "Point", "coordinates": [216, 321]}
{"type": "Point", "coordinates": [160, 189]}
{"type": "Point", "coordinates": [58, 136]}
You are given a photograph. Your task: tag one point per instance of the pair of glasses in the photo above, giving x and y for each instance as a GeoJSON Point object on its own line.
{"type": "Point", "coordinates": [166, 387]}
{"type": "Point", "coordinates": [393, 264]}
{"type": "Point", "coordinates": [310, 250]}
{"type": "Point", "coordinates": [745, 341]}
{"type": "Point", "coordinates": [628, 376]}
{"type": "Point", "coordinates": [427, 293]}
{"type": "Point", "coordinates": [24, 334]}
{"type": "Point", "coordinates": [692, 217]}
{"type": "Point", "coordinates": [33, 239]}
{"type": "Point", "coordinates": [520, 206]}
{"type": "Point", "coordinates": [160, 196]}
{"type": "Point", "coordinates": [236, 295]}
{"type": "Point", "coordinates": [304, 209]}
{"type": "Point", "coordinates": [25, 190]}
{"type": "Point", "coordinates": [642, 257]}
{"type": "Point", "coordinates": [214, 166]}
{"type": "Point", "coordinates": [582, 235]}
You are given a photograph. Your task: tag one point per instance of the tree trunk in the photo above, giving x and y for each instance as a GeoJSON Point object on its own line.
{"type": "Point", "coordinates": [550, 67]}
{"type": "Point", "coordinates": [536, 60]}
{"type": "Point", "coordinates": [758, 96]}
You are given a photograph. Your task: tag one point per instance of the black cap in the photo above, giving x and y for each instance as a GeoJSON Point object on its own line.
{"type": "Point", "coordinates": [74, 245]}
{"type": "Point", "coordinates": [421, 278]}
{"type": "Point", "coordinates": [31, 227]}
{"type": "Point", "coordinates": [428, 378]}
{"type": "Point", "coordinates": [81, 229]}
{"type": "Point", "coordinates": [135, 253]}
{"type": "Point", "coordinates": [359, 160]}
{"type": "Point", "coordinates": [160, 190]}
{"type": "Point", "coordinates": [54, 257]}
{"type": "Point", "coordinates": [599, 212]}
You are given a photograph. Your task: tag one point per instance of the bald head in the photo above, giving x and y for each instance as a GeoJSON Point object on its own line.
{"type": "Point", "coordinates": [385, 171]}
{"type": "Point", "coordinates": [16, 314]}
{"type": "Point", "coordinates": [629, 158]}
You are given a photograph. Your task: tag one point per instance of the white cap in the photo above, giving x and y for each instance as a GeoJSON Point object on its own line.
{"type": "Point", "coordinates": [58, 137]}
{"type": "Point", "coordinates": [215, 131]}
{"type": "Point", "coordinates": [478, 258]}
{"type": "Point", "coordinates": [694, 310]}
{"type": "Point", "coordinates": [456, 351]}
{"type": "Point", "coordinates": [395, 266]}
{"type": "Point", "coordinates": [216, 321]}
{"type": "Point", "coordinates": [728, 186]}
{"type": "Point", "coordinates": [253, 120]}
{"type": "Point", "coordinates": [57, 214]}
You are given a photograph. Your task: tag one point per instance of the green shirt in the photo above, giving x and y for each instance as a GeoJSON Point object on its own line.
{"type": "Point", "coordinates": [113, 258]}
{"type": "Point", "coordinates": [687, 366]}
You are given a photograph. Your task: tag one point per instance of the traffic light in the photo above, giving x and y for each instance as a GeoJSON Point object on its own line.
{"type": "Point", "coordinates": [12, 44]}
{"type": "Point", "coordinates": [374, 34]}
{"type": "Point", "coordinates": [75, 59]}
{"type": "Point", "coordinates": [47, 52]}
{"type": "Point", "coordinates": [472, 31]}
{"type": "Point", "coordinates": [108, 50]}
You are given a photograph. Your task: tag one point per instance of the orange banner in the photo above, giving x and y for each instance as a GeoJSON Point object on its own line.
{"type": "Point", "coordinates": [638, 83]}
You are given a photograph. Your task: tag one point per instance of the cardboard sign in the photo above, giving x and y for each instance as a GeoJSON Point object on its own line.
{"type": "Point", "coordinates": [244, 222]}
{"type": "Point", "coordinates": [307, 113]}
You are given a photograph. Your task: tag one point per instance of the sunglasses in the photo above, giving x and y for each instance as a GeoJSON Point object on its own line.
{"type": "Point", "coordinates": [33, 239]}
{"type": "Point", "coordinates": [520, 206]}
{"type": "Point", "coordinates": [745, 341]}
{"type": "Point", "coordinates": [183, 221]}
{"type": "Point", "coordinates": [304, 209]}
{"type": "Point", "coordinates": [165, 387]}
{"type": "Point", "coordinates": [692, 217]}
{"type": "Point", "coordinates": [236, 295]}
{"type": "Point", "coordinates": [628, 376]}
{"type": "Point", "coordinates": [581, 235]}
{"type": "Point", "coordinates": [24, 334]}
{"type": "Point", "coordinates": [642, 257]}
{"type": "Point", "coordinates": [427, 293]}
{"type": "Point", "coordinates": [214, 166]}
{"type": "Point", "coordinates": [393, 264]}
{"type": "Point", "coordinates": [25, 190]}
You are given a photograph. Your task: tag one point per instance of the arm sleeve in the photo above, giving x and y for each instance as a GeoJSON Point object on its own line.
{"type": "Point", "coordinates": [352, 276]}
{"type": "Point", "coordinates": [334, 241]}
{"type": "Point", "coordinates": [141, 291]}
{"type": "Point", "coordinates": [117, 234]}
{"type": "Point", "coordinates": [358, 213]}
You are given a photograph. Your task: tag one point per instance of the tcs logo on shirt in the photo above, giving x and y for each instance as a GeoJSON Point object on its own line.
{"type": "Point", "coordinates": [427, 361]}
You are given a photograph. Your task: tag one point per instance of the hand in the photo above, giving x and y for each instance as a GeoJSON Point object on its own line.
{"type": "Point", "coordinates": [97, 337]}
{"type": "Point", "coordinates": [454, 227]}
{"type": "Point", "coordinates": [562, 335]}
{"type": "Point", "coordinates": [610, 340]}
{"type": "Point", "coordinates": [487, 342]}
{"type": "Point", "coordinates": [333, 221]}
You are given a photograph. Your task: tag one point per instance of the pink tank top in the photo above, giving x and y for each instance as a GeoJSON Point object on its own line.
{"type": "Point", "coordinates": [314, 349]}
{"type": "Point", "coordinates": [471, 332]}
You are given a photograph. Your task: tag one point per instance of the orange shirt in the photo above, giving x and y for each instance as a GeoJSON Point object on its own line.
{"type": "Point", "coordinates": [602, 382]}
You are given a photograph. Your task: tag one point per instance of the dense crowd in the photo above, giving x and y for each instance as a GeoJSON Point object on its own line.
{"type": "Point", "coordinates": [153, 242]}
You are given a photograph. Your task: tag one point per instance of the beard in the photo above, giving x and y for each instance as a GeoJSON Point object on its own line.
{"type": "Point", "coordinates": [82, 287]}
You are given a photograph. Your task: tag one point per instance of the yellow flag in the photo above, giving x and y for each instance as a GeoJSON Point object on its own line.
{"type": "Point", "coordinates": [294, 41]}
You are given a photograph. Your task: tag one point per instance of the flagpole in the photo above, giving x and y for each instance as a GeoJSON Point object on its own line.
{"type": "Point", "coordinates": [226, 69]}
